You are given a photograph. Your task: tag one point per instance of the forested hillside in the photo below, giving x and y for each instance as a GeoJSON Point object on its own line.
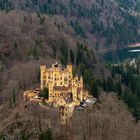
{"type": "Point", "coordinates": [104, 23]}
{"type": "Point", "coordinates": [127, 4]}
{"type": "Point", "coordinates": [35, 32]}
{"type": "Point", "coordinates": [108, 120]}
{"type": "Point", "coordinates": [35, 38]}
{"type": "Point", "coordinates": [26, 42]}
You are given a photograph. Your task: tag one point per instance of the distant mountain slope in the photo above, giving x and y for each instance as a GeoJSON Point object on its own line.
{"type": "Point", "coordinates": [137, 7]}
{"type": "Point", "coordinates": [102, 22]}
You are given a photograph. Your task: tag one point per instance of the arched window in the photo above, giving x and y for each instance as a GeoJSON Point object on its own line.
{"type": "Point", "coordinates": [65, 80]}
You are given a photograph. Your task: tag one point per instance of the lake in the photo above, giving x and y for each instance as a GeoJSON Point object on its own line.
{"type": "Point", "coordinates": [121, 55]}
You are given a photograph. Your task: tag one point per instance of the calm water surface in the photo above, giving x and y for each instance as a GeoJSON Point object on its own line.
{"type": "Point", "coordinates": [121, 55]}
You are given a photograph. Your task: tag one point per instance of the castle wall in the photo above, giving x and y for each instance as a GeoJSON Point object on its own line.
{"type": "Point", "coordinates": [56, 75]}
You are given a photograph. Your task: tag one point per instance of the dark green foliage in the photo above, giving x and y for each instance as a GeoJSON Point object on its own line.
{"type": "Point", "coordinates": [2, 136]}
{"type": "Point", "coordinates": [133, 103]}
{"type": "Point", "coordinates": [109, 85]}
{"type": "Point", "coordinates": [135, 85]}
{"type": "Point", "coordinates": [80, 55]}
{"type": "Point", "coordinates": [45, 135]}
{"type": "Point", "coordinates": [138, 6]}
{"type": "Point", "coordinates": [79, 30]}
{"type": "Point", "coordinates": [90, 83]}
{"type": "Point", "coordinates": [119, 89]}
{"type": "Point", "coordinates": [74, 71]}
{"type": "Point", "coordinates": [33, 53]}
{"type": "Point", "coordinates": [97, 46]}
{"type": "Point", "coordinates": [64, 52]}
{"type": "Point", "coordinates": [84, 67]}
{"type": "Point", "coordinates": [72, 58]}
{"type": "Point", "coordinates": [13, 97]}
{"type": "Point", "coordinates": [47, 8]}
{"type": "Point", "coordinates": [41, 18]}
{"type": "Point", "coordinates": [44, 93]}
{"type": "Point", "coordinates": [127, 85]}
{"type": "Point", "coordinates": [54, 54]}
{"type": "Point", "coordinates": [95, 85]}
{"type": "Point", "coordinates": [15, 45]}
{"type": "Point", "coordinates": [6, 5]}
{"type": "Point", "coordinates": [50, 7]}
{"type": "Point", "coordinates": [24, 137]}
{"type": "Point", "coordinates": [34, 2]}
{"type": "Point", "coordinates": [126, 4]}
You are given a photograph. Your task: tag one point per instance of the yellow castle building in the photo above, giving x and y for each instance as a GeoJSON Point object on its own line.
{"type": "Point", "coordinates": [61, 83]}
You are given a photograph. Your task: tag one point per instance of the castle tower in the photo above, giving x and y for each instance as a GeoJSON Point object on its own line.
{"type": "Point", "coordinates": [74, 91]}
{"type": "Point", "coordinates": [70, 76]}
{"type": "Point", "coordinates": [69, 68]}
{"type": "Point", "coordinates": [81, 81]}
{"type": "Point", "coordinates": [42, 76]}
{"type": "Point", "coordinates": [50, 88]}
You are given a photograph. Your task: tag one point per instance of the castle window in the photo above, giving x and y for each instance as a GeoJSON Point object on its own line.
{"type": "Point", "coordinates": [62, 114]}
{"type": "Point", "coordinates": [44, 77]}
{"type": "Point", "coordinates": [65, 80]}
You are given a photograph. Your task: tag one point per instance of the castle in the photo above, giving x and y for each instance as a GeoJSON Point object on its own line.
{"type": "Point", "coordinates": [65, 91]}
{"type": "Point", "coordinates": [61, 83]}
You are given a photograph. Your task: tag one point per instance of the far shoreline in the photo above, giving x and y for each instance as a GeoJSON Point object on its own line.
{"type": "Point", "coordinates": [136, 45]}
